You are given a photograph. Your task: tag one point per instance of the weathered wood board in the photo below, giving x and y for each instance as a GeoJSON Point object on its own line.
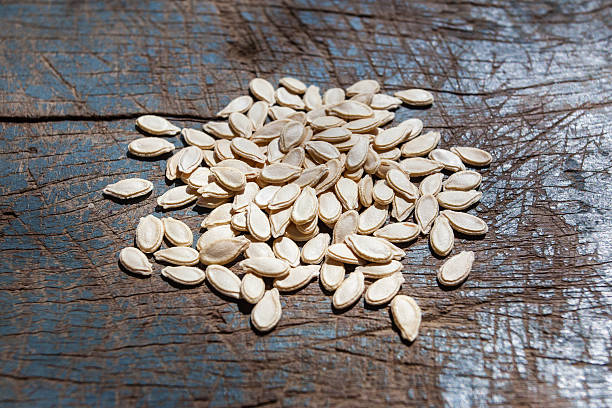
{"type": "Point", "coordinates": [528, 81]}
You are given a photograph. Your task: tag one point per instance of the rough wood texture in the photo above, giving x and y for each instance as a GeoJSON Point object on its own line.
{"type": "Point", "coordinates": [528, 81]}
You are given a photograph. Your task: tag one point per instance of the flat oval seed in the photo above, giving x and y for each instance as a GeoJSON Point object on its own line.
{"type": "Point", "coordinates": [418, 166]}
{"type": "Point", "coordinates": [348, 193]}
{"type": "Point", "coordinates": [150, 147]}
{"type": "Point", "coordinates": [389, 138]}
{"type": "Point", "coordinates": [156, 125]}
{"type": "Point", "coordinates": [240, 104]}
{"type": "Point", "coordinates": [219, 129]}
{"type": "Point", "coordinates": [239, 222]}
{"type": "Point", "coordinates": [177, 197]}
{"type": "Point", "coordinates": [331, 274]}
{"type": "Point", "coordinates": [280, 112]}
{"type": "Point", "coordinates": [465, 223]}
{"type": "Point", "coordinates": [458, 200]}
{"type": "Point", "coordinates": [341, 252]}
{"type": "Point", "coordinates": [472, 155]}
{"type": "Point", "coordinates": [149, 233]}
{"type": "Point", "coordinates": [377, 271]}
{"type": "Point", "coordinates": [372, 249]}
{"type": "Point", "coordinates": [322, 151]}
{"type": "Point", "coordinates": [315, 249]}
{"type": "Point", "coordinates": [449, 160]}
{"type": "Point", "coordinates": [219, 216]}
{"type": "Point", "coordinates": [349, 291]}
{"type": "Point", "coordinates": [382, 193]}
{"type": "Point", "coordinates": [284, 197]}
{"type": "Point", "coordinates": [415, 125]}
{"type": "Point", "coordinates": [406, 315]}
{"type": "Point", "coordinates": [295, 157]}
{"type": "Point", "coordinates": [312, 98]}
{"type": "Point", "coordinates": [441, 236]}
{"type": "Point", "coordinates": [372, 162]}
{"type": "Point", "coordinates": [298, 278]}
{"type": "Point", "coordinates": [265, 196]}
{"type": "Point", "coordinates": [398, 232]}
{"type": "Point", "coordinates": [223, 280]}
{"type": "Point", "coordinates": [229, 178]}
{"type": "Point", "coordinates": [270, 131]}
{"type": "Point", "coordinates": [356, 157]}
{"type": "Point", "coordinates": [267, 312]}
{"type": "Point", "coordinates": [242, 200]}
{"type": "Point", "coordinates": [384, 289]}
{"type": "Point", "coordinates": [421, 145]}
{"type": "Point", "coordinates": [128, 188]}
{"type": "Point", "coordinates": [252, 288]}
{"type": "Point", "coordinates": [326, 122]}
{"type": "Point", "coordinates": [178, 256]}
{"type": "Point", "coordinates": [402, 208]}
{"type": "Point", "coordinates": [190, 159]}
{"type": "Point", "coordinates": [363, 86]}
{"type": "Point", "coordinates": [262, 89]}
{"type": "Point", "coordinates": [384, 101]}
{"type": "Point", "coordinates": [177, 232]}
{"type": "Point", "coordinates": [425, 212]}
{"type": "Point", "coordinates": [258, 223]}
{"type": "Point", "coordinates": [365, 187]}
{"type": "Point", "coordinates": [221, 232]}
{"type": "Point", "coordinates": [333, 135]}
{"type": "Point", "coordinates": [285, 248]}
{"type": "Point", "coordinates": [258, 114]}
{"type": "Point", "coordinates": [334, 172]}
{"type": "Point", "coordinates": [393, 154]}
{"type": "Point", "coordinates": [198, 138]}
{"type": "Point", "coordinates": [333, 96]}
{"type": "Point", "coordinates": [306, 207]}
{"type": "Point", "coordinates": [185, 275]}
{"type": "Point", "coordinates": [347, 224]}
{"type": "Point", "coordinates": [279, 221]}
{"type": "Point", "coordinates": [278, 173]}
{"type": "Point", "coordinates": [292, 84]}
{"type": "Point", "coordinates": [351, 110]}
{"type": "Point", "coordinates": [363, 125]}
{"type": "Point", "coordinates": [245, 148]}
{"type": "Point", "coordinates": [311, 176]}
{"type": "Point", "coordinates": [400, 182]}
{"type": "Point", "coordinates": [431, 184]}
{"type": "Point", "coordinates": [296, 234]}
{"type": "Point", "coordinates": [223, 250]}
{"type": "Point", "coordinates": [415, 97]}
{"type": "Point", "coordinates": [372, 219]}
{"type": "Point", "coordinates": [259, 249]}
{"type": "Point", "coordinates": [135, 261]}
{"type": "Point", "coordinates": [463, 180]}
{"type": "Point", "coordinates": [266, 267]}
{"type": "Point", "coordinates": [330, 208]}
{"type": "Point", "coordinates": [285, 98]}
{"type": "Point", "coordinates": [291, 135]}
{"type": "Point", "coordinates": [456, 269]}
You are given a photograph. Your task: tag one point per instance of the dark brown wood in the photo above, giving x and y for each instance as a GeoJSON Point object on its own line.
{"type": "Point", "coordinates": [528, 81]}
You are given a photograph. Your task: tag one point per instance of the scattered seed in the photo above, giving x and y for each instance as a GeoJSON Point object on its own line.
{"type": "Point", "coordinates": [349, 291]}
{"type": "Point", "coordinates": [224, 280]}
{"type": "Point", "coordinates": [463, 180]}
{"type": "Point", "coordinates": [177, 232]}
{"type": "Point", "coordinates": [198, 138]}
{"type": "Point", "coordinates": [415, 97]}
{"type": "Point", "coordinates": [150, 147]}
{"type": "Point", "coordinates": [380, 270]}
{"type": "Point", "coordinates": [384, 289]}
{"type": "Point", "coordinates": [298, 278]}
{"type": "Point", "coordinates": [266, 267]}
{"type": "Point", "coordinates": [425, 212]}
{"type": "Point", "coordinates": [431, 184]}
{"type": "Point", "coordinates": [240, 104]}
{"type": "Point", "coordinates": [267, 312]}
{"type": "Point", "coordinates": [458, 200]}
{"type": "Point", "coordinates": [156, 125]}
{"type": "Point", "coordinates": [456, 269]}
{"type": "Point", "coordinates": [222, 251]}
{"type": "Point", "coordinates": [149, 234]}
{"type": "Point", "coordinates": [465, 223]}
{"type": "Point", "coordinates": [252, 288]}
{"type": "Point", "coordinates": [472, 155]}
{"type": "Point", "coordinates": [185, 275]}
{"type": "Point", "coordinates": [135, 261]}
{"type": "Point", "coordinates": [178, 256]}
{"type": "Point", "coordinates": [129, 188]}
{"type": "Point", "coordinates": [406, 315]}
{"type": "Point", "coordinates": [441, 236]}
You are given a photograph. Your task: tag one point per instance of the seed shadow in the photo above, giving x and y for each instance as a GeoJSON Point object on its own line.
{"type": "Point", "coordinates": [129, 201]}
{"type": "Point", "coordinates": [159, 208]}
{"type": "Point", "coordinates": [467, 237]}
{"type": "Point", "coordinates": [219, 294]}
{"type": "Point", "coordinates": [177, 285]}
{"type": "Point", "coordinates": [398, 331]}
{"type": "Point", "coordinates": [325, 291]}
{"type": "Point", "coordinates": [130, 273]}
{"type": "Point", "coordinates": [202, 210]}
{"type": "Point", "coordinates": [447, 288]}
{"type": "Point", "coordinates": [163, 156]}
{"type": "Point", "coordinates": [368, 306]}
{"type": "Point", "coordinates": [339, 312]}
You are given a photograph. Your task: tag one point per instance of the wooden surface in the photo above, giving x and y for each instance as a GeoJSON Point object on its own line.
{"type": "Point", "coordinates": [528, 81]}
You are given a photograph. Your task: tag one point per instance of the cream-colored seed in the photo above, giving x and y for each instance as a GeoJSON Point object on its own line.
{"type": "Point", "coordinates": [295, 157]}
{"type": "Point", "coordinates": [382, 193]}
{"type": "Point", "coordinates": [229, 178]}
{"type": "Point", "coordinates": [312, 98]}
{"type": "Point", "coordinates": [389, 138]}
{"type": "Point", "coordinates": [347, 223]}
{"type": "Point", "coordinates": [363, 86]}
{"type": "Point", "coordinates": [347, 192]}
{"type": "Point", "coordinates": [306, 207]}
{"type": "Point", "coordinates": [402, 208]}
{"type": "Point", "coordinates": [351, 110]}
{"type": "Point", "coordinates": [258, 223]}
{"type": "Point", "coordinates": [262, 89]}
{"type": "Point", "coordinates": [172, 165]}
{"type": "Point", "coordinates": [372, 249]}
{"type": "Point", "coordinates": [288, 99]}
{"type": "Point", "coordinates": [380, 270]}
{"type": "Point", "coordinates": [219, 129]}
{"type": "Point", "coordinates": [284, 197]}
{"type": "Point", "coordinates": [280, 112]}
{"type": "Point", "coordinates": [265, 196]}
{"type": "Point", "coordinates": [400, 182]}
{"type": "Point", "coordinates": [415, 125]}
{"type": "Point", "coordinates": [465, 223]}
{"type": "Point", "coordinates": [239, 221]}
{"type": "Point", "coordinates": [219, 216]}
{"type": "Point", "coordinates": [421, 145]}
{"type": "Point", "coordinates": [149, 234]}
{"type": "Point", "coordinates": [247, 149]}
{"type": "Point", "coordinates": [407, 316]}
{"type": "Point", "coordinates": [279, 173]}
{"type": "Point", "coordinates": [214, 189]}
{"type": "Point", "coordinates": [285, 248]}
{"type": "Point", "coordinates": [372, 218]}
{"type": "Point", "coordinates": [326, 122]}
{"type": "Point", "coordinates": [431, 184]}
{"type": "Point", "coordinates": [356, 157]}
{"type": "Point", "coordinates": [448, 159]}
{"type": "Point", "coordinates": [330, 208]}
{"type": "Point", "coordinates": [258, 249]}
{"type": "Point", "coordinates": [472, 155]}
{"type": "Point", "coordinates": [384, 289]}
{"type": "Point", "coordinates": [315, 249]}
{"type": "Point", "coordinates": [456, 269]}
{"type": "Point", "coordinates": [223, 150]}
{"type": "Point", "coordinates": [398, 232]}
{"type": "Point", "coordinates": [334, 96]}
{"type": "Point", "coordinates": [441, 237]}
{"type": "Point", "coordinates": [258, 114]}
{"type": "Point", "coordinates": [242, 200]}
{"type": "Point", "coordinates": [177, 232]}
{"type": "Point", "coordinates": [342, 253]}
{"type": "Point", "coordinates": [322, 151]}
{"type": "Point", "coordinates": [311, 176]}
{"type": "Point", "coordinates": [331, 274]}
{"type": "Point", "coordinates": [365, 187]}
{"type": "Point", "coordinates": [224, 280]}
{"type": "Point", "coordinates": [293, 85]}
{"type": "Point", "coordinates": [425, 212]}
{"type": "Point", "coordinates": [415, 97]}
{"type": "Point", "coordinates": [135, 261]}
{"type": "Point", "coordinates": [252, 288]}
{"type": "Point", "coordinates": [334, 172]}
{"type": "Point", "coordinates": [198, 138]}
{"type": "Point", "coordinates": [349, 291]}
{"type": "Point", "coordinates": [384, 101]}
{"type": "Point", "coordinates": [418, 166]}
{"type": "Point", "coordinates": [463, 180]}
{"type": "Point", "coordinates": [279, 221]}
{"type": "Point", "coordinates": [156, 125]}
{"type": "Point", "coordinates": [178, 256]}
{"type": "Point", "coordinates": [150, 147]}
{"type": "Point", "coordinates": [297, 278]}
{"type": "Point", "coordinates": [199, 178]}
{"type": "Point", "coordinates": [458, 200]}
{"type": "Point", "coordinates": [266, 267]}
{"type": "Point", "coordinates": [221, 232]}
{"type": "Point", "coordinates": [267, 312]}
{"type": "Point", "coordinates": [222, 251]}
{"type": "Point", "coordinates": [184, 275]}
{"type": "Point", "coordinates": [240, 104]}
{"type": "Point", "coordinates": [291, 136]}
{"type": "Point", "coordinates": [129, 188]}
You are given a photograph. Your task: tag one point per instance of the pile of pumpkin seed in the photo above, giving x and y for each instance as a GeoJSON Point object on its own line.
{"type": "Point", "coordinates": [305, 186]}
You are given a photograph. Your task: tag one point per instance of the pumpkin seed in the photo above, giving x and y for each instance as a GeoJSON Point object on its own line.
{"type": "Point", "coordinates": [129, 188]}
{"type": "Point", "coordinates": [247, 149]}
{"type": "Point", "coordinates": [210, 202]}
{"type": "Point", "coordinates": [465, 223]}
{"type": "Point", "coordinates": [223, 150]}
{"type": "Point", "coordinates": [306, 206]}
{"type": "Point", "coordinates": [222, 251]}
{"type": "Point", "coordinates": [172, 165]}
{"type": "Point", "coordinates": [291, 136]}
{"type": "Point", "coordinates": [402, 208]}
{"type": "Point", "coordinates": [298, 278]}
{"type": "Point", "coordinates": [406, 316]}
{"type": "Point", "coordinates": [295, 157]}
{"type": "Point", "coordinates": [458, 200]}
{"type": "Point", "coordinates": [309, 227]}
{"type": "Point", "coordinates": [334, 96]}
{"type": "Point", "coordinates": [363, 86]}
{"type": "Point", "coordinates": [463, 180]}
{"type": "Point", "coordinates": [372, 162]}
{"type": "Point", "coordinates": [347, 192]}
{"type": "Point", "coordinates": [198, 138]}
{"type": "Point", "coordinates": [415, 97]}
{"type": "Point", "coordinates": [363, 125]}
{"type": "Point", "coordinates": [242, 200]}
{"type": "Point", "coordinates": [258, 223]}
{"type": "Point", "coordinates": [266, 267]}
{"type": "Point", "coordinates": [372, 219]}
{"type": "Point", "coordinates": [263, 90]}
{"type": "Point", "coordinates": [389, 138]}
{"type": "Point", "coordinates": [384, 289]}
{"type": "Point", "coordinates": [431, 184]}
{"type": "Point", "coordinates": [349, 291]}
{"type": "Point", "coordinates": [267, 312]}
{"type": "Point", "coordinates": [347, 223]}
{"type": "Point", "coordinates": [135, 261]}
{"type": "Point", "coordinates": [178, 256]}
{"type": "Point", "coordinates": [252, 288]}
{"type": "Point", "coordinates": [379, 270]}
{"type": "Point", "coordinates": [425, 212]}
{"type": "Point", "coordinates": [209, 158]}
{"type": "Point", "coordinates": [382, 193]}
{"type": "Point", "coordinates": [219, 129]}
{"type": "Point", "coordinates": [258, 249]}
{"type": "Point", "coordinates": [364, 188]}
{"type": "Point", "coordinates": [240, 104]}
{"type": "Point", "coordinates": [156, 125]}
{"type": "Point", "coordinates": [229, 178]}
{"type": "Point", "coordinates": [384, 101]}
{"type": "Point", "coordinates": [326, 122]}
{"type": "Point", "coordinates": [441, 236]}
{"type": "Point", "coordinates": [421, 145]}
{"type": "Point", "coordinates": [333, 135]}
{"type": "Point", "coordinates": [312, 98]}
{"type": "Point", "coordinates": [342, 253]}
{"type": "Point", "coordinates": [418, 166]}
{"type": "Point", "coordinates": [334, 172]}
{"type": "Point", "coordinates": [331, 274]}
{"type": "Point", "coordinates": [293, 85]}
{"type": "Point", "coordinates": [224, 281]}
{"type": "Point", "coordinates": [284, 197]}
{"type": "Point", "coordinates": [400, 182]}
{"type": "Point", "coordinates": [456, 269]}
{"type": "Point", "coordinates": [185, 275]}
{"type": "Point", "coordinates": [287, 249]}
{"type": "Point", "coordinates": [150, 147]}
{"type": "Point", "coordinates": [393, 154]}
{"type": "Point", "coordinates": [258, 114]}
{"type": "Point", "coordinates": [383, 117]}
{"type": "Point", "coordinates": [190, 159]}
{"type": "Point", "coordinates": [296, 234]}
{"type": "Point", "coordinates": [322, 151]}
{"type": "Point", "coordinates": [472, 155]}
{"type": "Point", "coordinates": [270, 131]}
{"type": "Point", "coordinates": [311, 176]}
{"type": "Point", "coordinates": [315, 249]}
{"type": "Point", "coordinates": [330, 208]}
{"type": "Point", "coordinates": [351, 110]}
{"type": "Point", "coordinates": [279, 221]}
{"type": "Point", "coordinates": [449, 160]}
{"type": "Point", "coordinates": [239, 221]}
{"type": "Point", "coordinates": [149, 233]}
{"type": "Point", "coordinates": [371, 249]}
{"type": "Point", "coordinates": [278, 173]}
{"type": "Point", "coordinates": [385, 166]}
{"type": "Point", "coordinates": [415, 125]}
{"type": "Point", "coordinates": [265, 196]}
{"type": "Point", "coordinates": [177, 232]}
{"type": "Point", "coordinates": [215, 190]}
{"type": "Point", "coordinates": [356, 157]}
{"type": "Point", "coordinates": [290, 100]}
{"type": "Point", "coordinates": [220, 232]}
{"type": "Point", "coordinates": [399, 232]}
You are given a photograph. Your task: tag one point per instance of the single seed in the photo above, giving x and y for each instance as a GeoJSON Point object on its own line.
{"type": "Point", "coordinates": [389, 138]}
{"type": "Point", "coordinates": [380, 270]}
{"type": "Point", "coordinates": [239, 222]}
{"type": "Point", "coordinates": [384, 289]}
{"type": "Point", "coordinates": [306, 207]}
{"type": "Point", "coordinates": [178, 256]}
{"type": "Point", "coordinates": [221, 232]}
{"type": "Point", "coordinates": [149, 234]}
{"type": "Point", "coordinates": [265, 196]}
{"type": "Point", "coordinates": [463, 180]}
{"type": "Point", "coordinates": [326, 122]}
{"type": "Point", "coordinates": [298, 278]}
{"type": "Point", "coordinates": [322, 151]}
{"type": "Point", "coordinates": [229, 178]}
{"type": "Point", "coordinates": [421, 145]}
{"type": "Point", "coordinates": [315, 249]}
{"type": "Point", "coordinates": [311, 176]}
{"type": "Point", "coordinates": [347, 223]}
{"type": "Point", "coordinates": [349, 291]}
{"type": "Point", "coordinates": [279, 221]}
{"type": "Point", "coordinates": [279, 173]}
{"type": "Point", "coordinates": [190, 159]}
{"type": "Point", "coordinates": [287, 99]}
{"type": "Point", "coordinates": [262, 89]}
{"type": "Point", "coordinates": [258, 249]}
{"type": "Point", "coordinates": [267, 312]}
{"type": "Point", "coordinates": [312, 98]}
{"type": "Point", "coordinates": [342, 253]}
{"type": "Point", "coordinates": [198, 138]}
{"type": "Point", "coordinates": [293, 85]}
{"type": "Point", "coordinates": [364, 86]}
{"type": "Point", "coordinates": [458, 200]}
{"type": "Point", "coordinates": [400, 182]}
{"type": "Point", "coordinates": [245, 148]}
{"type": "Point", "coordinates": [150, 147]}
{"type": "Point", "coordinates": [356, 157]}
{"type": "Point", "coordinates": [441, 236]}
{"type": "Point", "coordinates": [425, 212]}
{"type": "Point", "coordinates": [223, 150]}
{"type": "Point", "coordinates": [372, 249]}
{"type": "Point", "coordinates": [448, 159]}
{"type": "Point", "coordinates": [402, 208]}
{"type": "Point", "coordinates": [406, 316]}
{"type": "Point", "coordinates": [398, 232]}
{"type": "Point", "coordinates": [472, 155]}
{"type": "Point", "coordinates": [333, 96]}
{"type": "Point", "coordinates": [252, 288]}
{"type": "Point", "coordinates": [242, 200]}
{"type": "Point", "coordinates": [347, 192]}
{"type": "Point", "coordinates": [223, 280]}
{"type": "Point", "coordinates": [431, 184]}
{"type": "Point", "coordinates": [418, 166]}
{"type": "Point", "coordinates": [258, 114]}
{"type": "Point", "coordinates": [129, 188]}
{"type": "Point", "coordinates": [415, 125]}
{"type": "Point", "coordinates": [284, 197]}
{"type": "Point", "coordinates": [351, 110]}
{"type": "Point", "coordinates": [177, 232]}
{"type": "Point", "coordinates": [214, 189]}
{"type": "Point", "coordinates": [135, 261]}
{"type": "Point", "coordinates": [365, 187]}
{"type": "Point", "coordinates": [295, 157]}
{"type": "Point", "coordinates": [285, 248]}
{"type": "Point", "coordinates": [156, 125]}
{"type": "Point", "coordinates": [258, 223]}
{"type": "Point", "coordinates": [185, 275]}
{"type": "Point", "coordinates": [240, 104]}
{"type": "Point", "coordinates": [465, 223]}
{"type": "Point", "coordinates": [456, 269]}
{"type": "Point", "coordinates": [334, 172]}
{"type": "Point", "coordinates": [292, 135]}
{"type": "Point", "coordinates": [219, 216]}
{"type": "Point", "coordinates": [330, 208]}
{"type": "Point", "coordinates": [415, 97]}
{"type": "Point", "coordinates": [266, 267]}
{"type": "Point", "coordinates": [382, 193]}
{"type": "Point", "coordinates": [222, 251]}
{"type": "Point", "coordinates": [270, 131]}
{"type": "Point", "coordinates": [384, 101]}
{"type": "Point", "coordinates": [219, 129]}
{"type": "Point", "coordinates": [372, 219]}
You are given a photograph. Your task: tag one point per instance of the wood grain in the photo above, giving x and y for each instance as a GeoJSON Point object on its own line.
{"type": "Point", "coordinates": [528, 81]}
